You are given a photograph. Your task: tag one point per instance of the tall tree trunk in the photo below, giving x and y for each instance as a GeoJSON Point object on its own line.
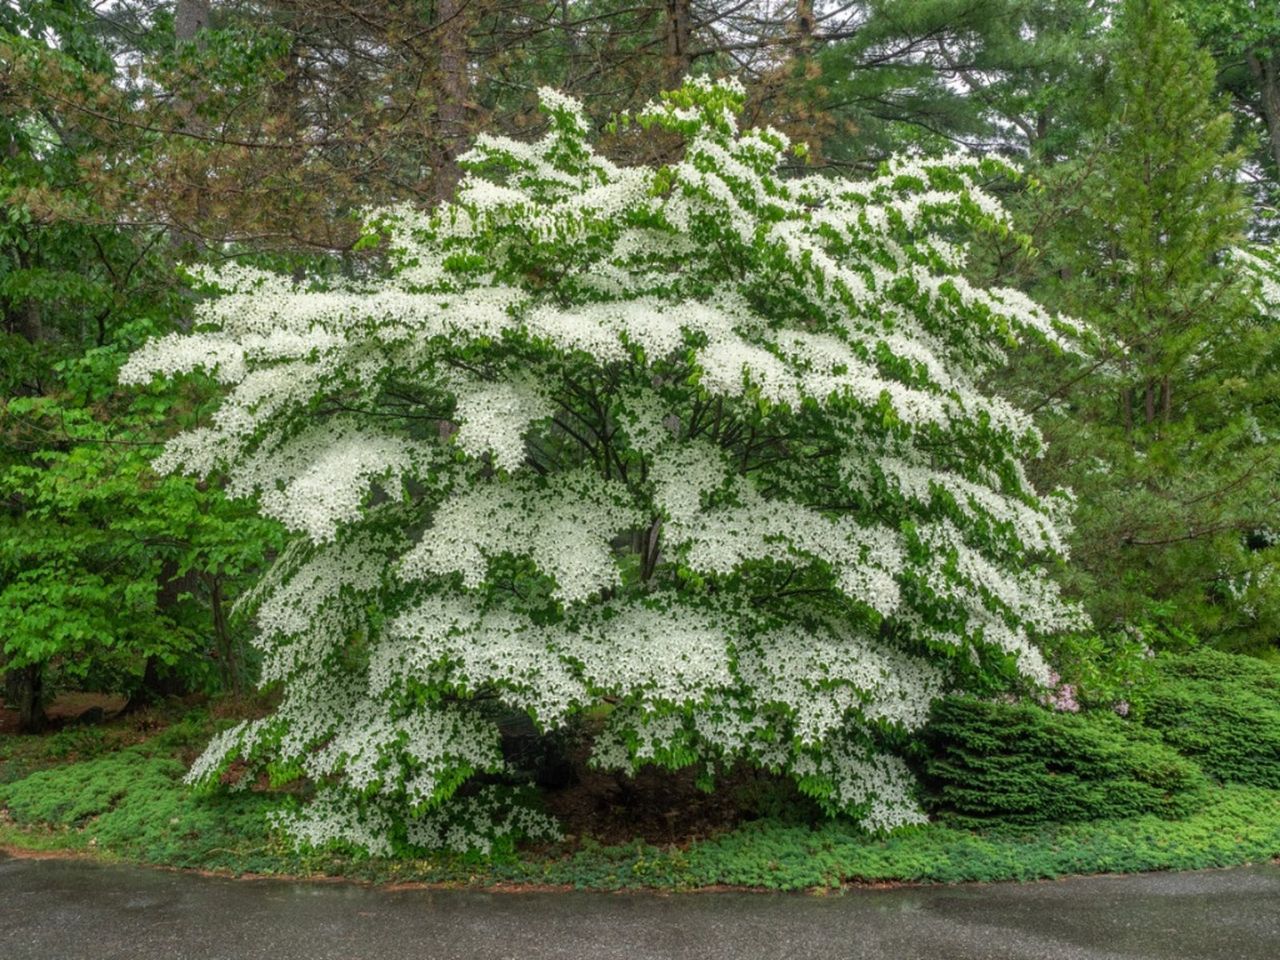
{"type": "Point", "coordinates": [25, 320]}
{"type": "Point", "coordinates": [229, 660]}
{"type": "Point", "coordinates": [26, 316]}
{"type": "Point", "coordinates": [451, 91]}
{"type": "Point", "coordinates": [678, 19]}
{"type": "Point", "coordinates": [24, 692]}
{"type": "Point", "coordinates": [190, 19]}
{"type": "Point", "coordinates": [1267, 74]}
{"type": "Point", "coordinates": [158, 680]}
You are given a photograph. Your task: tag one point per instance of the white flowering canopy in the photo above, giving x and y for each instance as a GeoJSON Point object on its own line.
{"type": "Point", "coordinates": [1259, 267]}
{"type": "Point", "coordinates": [696, 448]}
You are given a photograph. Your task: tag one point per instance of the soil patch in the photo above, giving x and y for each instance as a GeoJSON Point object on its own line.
{"type": "Point", "coordinates": [65, 708]}
{"type": "Point", "coordinates": [666, 807]}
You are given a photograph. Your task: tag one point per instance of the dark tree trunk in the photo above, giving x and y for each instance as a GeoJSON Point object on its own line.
{"type": "Point", "coordinates": [679, 56]}
{"type": "Point", "coordinates": [24, 692]}
{"type": "Point", "coordinates": [1266, 72]}
{"type": "Point", "coordinates": [228, 658]}
{"type": "Point", "coordinates": [451, 108]}
{"type": "Point", "coordinates": [158, 680]}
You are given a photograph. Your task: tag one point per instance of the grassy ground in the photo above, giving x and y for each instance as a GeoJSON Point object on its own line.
{"type": "Point", "coordinates": [116, 793]}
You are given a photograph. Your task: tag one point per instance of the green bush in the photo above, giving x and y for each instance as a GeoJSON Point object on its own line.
{"type": "Point", "coordinates": [133, 804]}
{"type": "Point", "coordinates": [1024, 765]}
{"type": "Point", "coordinates": [1220, 709]}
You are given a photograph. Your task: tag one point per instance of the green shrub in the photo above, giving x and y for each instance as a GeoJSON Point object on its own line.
{"type": "Point", "coordinates": [1223, 710]}
{"type": "Point", "coordinates": [1024, 765]}
{"type": "Point", "coordinates": [133, 804]}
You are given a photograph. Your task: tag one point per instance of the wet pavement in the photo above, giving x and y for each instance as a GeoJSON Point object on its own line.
{"type": "Point", "coordinates": [69, 910]}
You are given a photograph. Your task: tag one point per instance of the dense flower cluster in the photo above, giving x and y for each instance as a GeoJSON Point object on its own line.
{"type": "Point", "coordinates": [1260, 268]}
{"type": "Point", "coordinates": [697, 448]}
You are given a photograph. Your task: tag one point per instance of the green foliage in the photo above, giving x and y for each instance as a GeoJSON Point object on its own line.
{"type": "Point", "coordinates": [1167, 437]}
{"type": "Point", "coordinates": [1024, 765]}
{"type": "Point", "coordinates": [102, 564]}
{"type": "Point", "coordinates": [104, 568]}
{"type": "Point", "coordinates": [1244, 37]}
{"type": "Point", "coordinates": [131, 804]}
{"type": "Point", "coordinates": [1104, 669]}
{"type": "Point", "coordinates": [1222, 710]}
{"type": "Point", "coordinates": [1169, 442]}
{"type": "Point", "coordinates": [1228, 829]}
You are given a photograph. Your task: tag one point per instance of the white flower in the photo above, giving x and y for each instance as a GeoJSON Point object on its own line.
{"type": "Point", "coordinates": [703, 443]}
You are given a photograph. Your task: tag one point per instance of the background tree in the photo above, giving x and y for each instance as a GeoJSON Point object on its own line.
{"type": "Point", "coordinates": [1169, 438]}
{"type": "Point", "coordinates": [1244, 36]}
{"type": "Point", "coordinates": [109, 577]}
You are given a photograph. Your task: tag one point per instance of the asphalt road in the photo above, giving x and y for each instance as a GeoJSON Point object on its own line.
{"type": "Point", "coordinates": [67, 910]}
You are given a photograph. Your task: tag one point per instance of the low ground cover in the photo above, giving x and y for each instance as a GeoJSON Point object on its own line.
{"type": "Point", "coordinates": [116, 792]}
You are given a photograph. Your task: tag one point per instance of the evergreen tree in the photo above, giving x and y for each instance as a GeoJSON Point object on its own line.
{"type": "Point", "coordinates": [1169, 440]}
{"type": "Point", "coordinates": [1244, 36]}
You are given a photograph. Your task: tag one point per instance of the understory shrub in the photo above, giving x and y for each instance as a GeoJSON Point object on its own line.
{"type": "Point", "coordinates": [1221, 709]}
{"type": "Point", "coordinates": [1024, 765]}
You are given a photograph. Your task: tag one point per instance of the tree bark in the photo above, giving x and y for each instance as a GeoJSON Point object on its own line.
{"type": "Point", "coordinates": [190, 19]}
{"type": "Point", "coordinates": [227, 656]}
{"type": "Point", "coordinates": [158, 681]}
{"type": "Point", "coordinates": [25, 320]}
{"type": "Point", "coordinates": [679, 57]}
{"type": "Point", "coordinates": [27, 323]}
{"type": "Point", "coordinates": [1267, 74]}
{"type": "Point", "coordinates": [24, 692]}
{"type": "Point", "coordinates": [451, 91]}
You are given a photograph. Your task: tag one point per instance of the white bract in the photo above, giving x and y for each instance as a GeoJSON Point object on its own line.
{"type": "Point", "coordinates": [1259, 267]}
{"type": "Point", "coordinates": [697, 449]}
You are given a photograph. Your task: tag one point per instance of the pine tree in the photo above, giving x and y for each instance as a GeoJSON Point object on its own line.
{"type": "Point", "coordinates": [1171, 446]}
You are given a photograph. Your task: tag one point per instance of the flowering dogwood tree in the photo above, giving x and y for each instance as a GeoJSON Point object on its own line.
{"type": "Point", "coordinates": [695, 447]}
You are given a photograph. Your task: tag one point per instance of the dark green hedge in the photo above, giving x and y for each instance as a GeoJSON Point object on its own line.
{"type": "Point", "coordinates": [1223, 710]}
{"type": "Point", "coordinates": [1025, 765]}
